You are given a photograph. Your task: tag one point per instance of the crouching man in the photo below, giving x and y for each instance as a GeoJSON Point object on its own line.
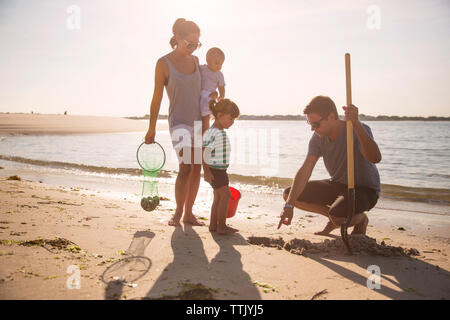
{"type": "Point", "coordinates": [329, 197]}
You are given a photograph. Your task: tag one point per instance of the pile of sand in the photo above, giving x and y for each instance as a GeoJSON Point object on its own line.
{"type": "Point", "coordinates": [360, 244]}
{"type": "Point", "coordinates": [190, 291]}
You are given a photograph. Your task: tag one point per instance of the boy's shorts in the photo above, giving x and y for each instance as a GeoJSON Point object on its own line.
{"type": "Point", "coordinates": [204, 103]}
{"type": "Point", "coordinates": [334, 195]}
{"type": "Point", "coordinates": [220, 177]}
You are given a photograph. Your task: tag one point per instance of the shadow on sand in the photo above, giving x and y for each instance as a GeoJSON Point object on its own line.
{"type": "Point", "coordinates": [134, 266]}
{"type": "Point", "coordinates": [412, 277]}
{"type": "Point", "coordinates": [191, 276]}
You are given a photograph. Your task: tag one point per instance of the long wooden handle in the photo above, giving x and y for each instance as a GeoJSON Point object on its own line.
{"type": "Point", "coordinates": [350, 160]}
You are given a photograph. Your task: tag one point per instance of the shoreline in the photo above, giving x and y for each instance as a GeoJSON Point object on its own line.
{"type": "Point", "coordinates": [432, 196]}
{"type": "Point", "coordinates": [418, 216]}
{"type": "Point", "coordinates": [103, 218]}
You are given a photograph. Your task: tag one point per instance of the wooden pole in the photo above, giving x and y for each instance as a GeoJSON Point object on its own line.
{"type": "Point", "coordinates": [350, 158]}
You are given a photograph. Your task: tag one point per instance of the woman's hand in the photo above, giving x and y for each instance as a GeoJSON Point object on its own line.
{"type": "Point", "coordinates": [150, 136]}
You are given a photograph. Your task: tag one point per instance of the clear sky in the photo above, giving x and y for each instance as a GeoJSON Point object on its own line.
{"type": "Point", "coordinates": [279, 54]}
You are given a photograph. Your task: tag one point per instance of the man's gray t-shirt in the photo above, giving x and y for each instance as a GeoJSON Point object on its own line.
{"type": "Point", "coordinates": [334, 155]}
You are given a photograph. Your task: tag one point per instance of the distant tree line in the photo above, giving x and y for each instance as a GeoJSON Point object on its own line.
{"type": "Point", "coordinates": [363, 117]}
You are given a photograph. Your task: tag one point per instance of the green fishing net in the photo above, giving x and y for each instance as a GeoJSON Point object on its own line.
{"type": "Point", "coordinates": [151, 158]}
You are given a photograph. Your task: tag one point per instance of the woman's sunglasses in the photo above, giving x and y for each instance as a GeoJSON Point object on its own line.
{"type": "Point", "coordinates": [192, 45]}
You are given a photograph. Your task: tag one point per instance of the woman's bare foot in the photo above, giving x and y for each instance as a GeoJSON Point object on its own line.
{"type": "Point", "coordinates": [225, 230]}
{"type": "Point", "coordinates": [175, 221]}
{"type": "Point", "coordinates": [361, 227]}
{"type": "Point", "coordinates": [191, 219]}
{"type": "Point", "coordinates": [326, 231]}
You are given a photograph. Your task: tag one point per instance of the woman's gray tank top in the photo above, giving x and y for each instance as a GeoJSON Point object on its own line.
{"type": "Point", "coordinates": [183, 91]}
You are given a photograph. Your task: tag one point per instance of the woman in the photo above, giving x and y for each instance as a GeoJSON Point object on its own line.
{"type": "Point", "coordinates": [179, 72]}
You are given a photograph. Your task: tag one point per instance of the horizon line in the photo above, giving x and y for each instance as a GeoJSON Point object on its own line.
{"type": "Point", "coordinates": [242, 115]}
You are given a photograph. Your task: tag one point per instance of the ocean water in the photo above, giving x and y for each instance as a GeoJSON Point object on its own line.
{"type": "Point", "coordinates": [415, 165]}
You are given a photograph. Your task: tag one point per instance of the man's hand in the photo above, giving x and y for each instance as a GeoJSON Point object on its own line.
{"type": "Point", "coordinates": [369, 147]}
{"type": "Point", "coordinates": [286, 216]}
{"type": "Point", "coordinates": [351, 113]}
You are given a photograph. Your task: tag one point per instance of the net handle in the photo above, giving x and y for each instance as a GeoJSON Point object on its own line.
{"type": "Point", "coordinates": [137, 157]}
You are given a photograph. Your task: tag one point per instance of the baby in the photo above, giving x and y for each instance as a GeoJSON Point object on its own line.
{"type": "Point", "coordinates": [212, 79]}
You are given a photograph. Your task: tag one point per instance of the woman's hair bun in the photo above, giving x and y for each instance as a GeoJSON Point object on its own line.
{"type": "Point", "coordinates": [177, 25]}
{"type": "Point", "coordinates": [182, 28]}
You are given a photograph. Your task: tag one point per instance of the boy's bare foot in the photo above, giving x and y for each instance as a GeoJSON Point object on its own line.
{"type": "Point", "coordinates": [361, 227]}
{"type": "Point", "coordinates": [191, 219]}
{"type": "Point", "coordinates": [225, 230]}
{"type": "Point", "coordinates": [326, 231]}
{"type": "Point", "coordinates": [233, 229]}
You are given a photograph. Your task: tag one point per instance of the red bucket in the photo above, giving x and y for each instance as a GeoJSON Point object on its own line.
{"type": "Point", "coordinates": [233, 202]}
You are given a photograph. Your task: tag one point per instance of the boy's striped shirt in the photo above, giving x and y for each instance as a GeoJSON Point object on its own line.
{"type": "Point", "coordinates": [217, 147]}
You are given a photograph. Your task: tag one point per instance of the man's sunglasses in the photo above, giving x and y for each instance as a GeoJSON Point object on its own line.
{"type": "Point", "coordinates": [315, 124]}
{"type": "Point", "coordinates": [192, 45]}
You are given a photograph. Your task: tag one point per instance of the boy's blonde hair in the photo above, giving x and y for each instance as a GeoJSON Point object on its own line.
{"type": "Point", "coordinates": [225, 106]}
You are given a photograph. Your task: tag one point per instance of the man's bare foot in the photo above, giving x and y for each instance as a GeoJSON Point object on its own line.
{"type": "Point", "coordinates": [326, 231]}
{"type": "Point", "coordinates": [212, 228]}
{"type": "Point", "coordinates": [191, 219]}
{"type": "Point", "coordinates": [225, 230]}
{"type": "Point", "coordinates": [361, 227]}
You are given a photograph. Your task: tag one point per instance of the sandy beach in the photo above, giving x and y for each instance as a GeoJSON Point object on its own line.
{"type": "Point", "coordinates": [21, 123]}
{"type": "Point", "coordinates": [52, 224]}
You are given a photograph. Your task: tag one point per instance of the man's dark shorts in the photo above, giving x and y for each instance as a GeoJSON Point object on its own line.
{"type": "Point", "coordinates": [334, 194]}
{"type": "Point", "coordinates": [220, 178]}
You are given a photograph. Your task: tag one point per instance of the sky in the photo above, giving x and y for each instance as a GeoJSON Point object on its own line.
{"type": "Point", "coordinates": [98, 57]}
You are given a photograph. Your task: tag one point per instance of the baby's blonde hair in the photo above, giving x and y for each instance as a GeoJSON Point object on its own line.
{"type": "Point", "coordinates": [216, 52]}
